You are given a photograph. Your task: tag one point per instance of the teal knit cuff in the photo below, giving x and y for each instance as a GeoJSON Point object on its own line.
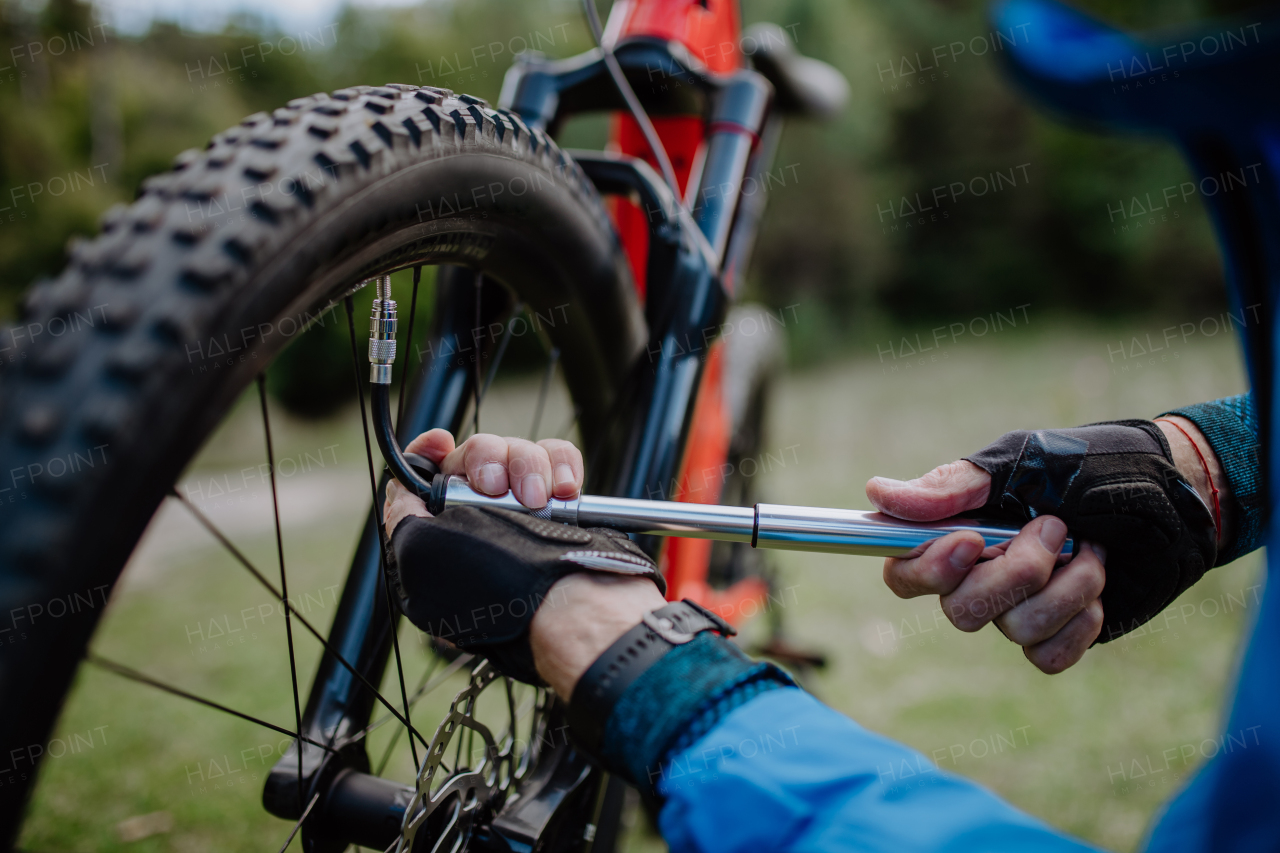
{"type": "Point", "coordinates": [677, 701]}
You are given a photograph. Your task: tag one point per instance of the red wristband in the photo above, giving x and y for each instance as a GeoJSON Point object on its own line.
{"type": "Point", "coordinates": [1217, 506]}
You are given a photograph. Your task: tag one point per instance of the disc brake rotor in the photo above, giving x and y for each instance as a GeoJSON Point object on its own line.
{"type": "Point", "coordinates": [449, 803]}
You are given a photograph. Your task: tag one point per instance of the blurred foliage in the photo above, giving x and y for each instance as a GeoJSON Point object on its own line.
{"type": "Point", "coordinates": [113, 109]}
{"type": "Point", "coordinates": [1052, 240]}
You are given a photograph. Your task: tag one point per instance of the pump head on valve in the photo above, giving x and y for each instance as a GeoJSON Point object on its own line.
{"type": "Point", "coordinates": [382, 334]}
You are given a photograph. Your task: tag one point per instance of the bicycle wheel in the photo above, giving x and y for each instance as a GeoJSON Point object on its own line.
{"type": "Point", "coordinates": [158, 325]}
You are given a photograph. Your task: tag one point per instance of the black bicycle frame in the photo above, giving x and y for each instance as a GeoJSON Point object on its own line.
{"type": "Point", "coordinates": [693, 260]}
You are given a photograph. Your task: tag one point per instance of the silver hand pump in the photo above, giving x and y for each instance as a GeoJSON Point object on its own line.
{"type": "Point", "coordinates": [775, 526]}
{"type": "Point", "coordinates": [786, 528]}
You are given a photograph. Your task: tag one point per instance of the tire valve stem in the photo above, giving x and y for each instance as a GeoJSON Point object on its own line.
{"type": "Point", "coordinates": [382, 333]}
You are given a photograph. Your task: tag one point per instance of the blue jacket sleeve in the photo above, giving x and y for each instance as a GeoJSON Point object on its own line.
{"type": "Point", "coordinates": [784, 772]}
{"type": "Point", "coordinates": [738, 758]}
{"type": "Point", "coordinates": [1231, 427]}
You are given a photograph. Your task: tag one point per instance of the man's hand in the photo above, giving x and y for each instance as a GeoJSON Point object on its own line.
{"type": "Point", "coordinates": [585, 612]}
{"type": "Point", "coordinates": [1052, 612]}
{"type": "Point", "coordinates": [533, 472]}
{"type": "Point", "coordinates": [540, 600]}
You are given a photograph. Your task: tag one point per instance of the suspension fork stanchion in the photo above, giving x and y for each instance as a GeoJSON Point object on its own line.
{"type": "Point", "coordinates": [751, 204]}
{"type": "Point", "coordinates": [677, 355]}
{"type": "Point", "coordinates": [722, 213]}
{"type": "Point", "coordinates": [686, 312]}
{"type": "Point", "coordinates": [738, 118]}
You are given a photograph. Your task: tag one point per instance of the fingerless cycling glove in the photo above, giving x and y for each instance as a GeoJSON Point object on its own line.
{"type": "Point", "coordinates": [475, 577]}
{"type": "Point", "coordinates": [1113, 483]}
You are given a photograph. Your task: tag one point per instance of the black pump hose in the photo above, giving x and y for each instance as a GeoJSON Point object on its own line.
{"type": "Point", "coordinates": [416, 473]}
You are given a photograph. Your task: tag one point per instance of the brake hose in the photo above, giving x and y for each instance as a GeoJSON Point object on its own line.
{"type": "Point", "coordinates": [633, 103]}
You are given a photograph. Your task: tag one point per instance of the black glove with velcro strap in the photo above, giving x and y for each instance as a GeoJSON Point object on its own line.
{"type": "Point", "coordinates": [475, 577]}
{"type": "Point", "coordinates": [1113, 483]}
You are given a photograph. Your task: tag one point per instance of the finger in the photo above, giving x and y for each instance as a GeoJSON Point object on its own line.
{"type": "Point", "coordinates": [1070, 589]}
{"type": "Point", "coordinates": [1066, 647]}
{"type": "Point", "coordinates": [529, 470]}
{"type": "Point", "coordinates": [998, 585]}
{"type": "Point", "coordinates": [566, 466]}
{"type": "Point", "coordinates": [399, 505]}
{"type": "Point", "coordinates": [945, 491]}
{"type": "Point", "coordinates": [483, 460]}
{"type": "Point", "coordinates": [434, 444]}
{"type": "Point", "coordinates": [937, 570]}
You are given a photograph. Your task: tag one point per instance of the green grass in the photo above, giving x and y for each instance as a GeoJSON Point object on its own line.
{"type": "Point", "coordinates": [1051, 745]}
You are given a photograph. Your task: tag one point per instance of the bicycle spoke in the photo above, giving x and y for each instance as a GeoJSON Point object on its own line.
{"type": "Point", "coordinates": [314, 798]}
{"type": "Point", "coordinates": [386, 753]}
{"type": "Point", "coordinates": [443, 676]}
{"type": "Point", "coordinates": [395, 736]}
{"type": "Point", "coordinates": [417, 693]}
{"type": "Point", "coordinates": [408, 339]}
{"type": "Point", "coordinates": [244, 561]}
{"type": "Point", "coordinates": [511, 715]}
{"type": "Point", "coordinates": [284, 578]}
{"type": "Point", "coordinates": [133, 675]}
{"type": "Point", "coordinates": [502, 350]}
{"type": "Point", "coordinates": [476, 381]}
{"type": "Point", "coordinates": [457, 758]}
{"type": "Point", "coordinates": [382, 542]}
{"type": "Point", "coordinates": [552, 359]}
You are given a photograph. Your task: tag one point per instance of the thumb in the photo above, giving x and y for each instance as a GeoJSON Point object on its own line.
{"type": "Point", "coordinates": [945, 491]}
{"type": "Point", "coordinates": [400, 504]}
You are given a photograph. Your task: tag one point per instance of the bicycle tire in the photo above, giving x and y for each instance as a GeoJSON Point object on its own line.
{"type": "Point", "coordinates": [180, 267]}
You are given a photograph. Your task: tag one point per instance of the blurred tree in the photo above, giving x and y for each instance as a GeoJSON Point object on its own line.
{"type": "Point", "coordinates": [1035, 215]}
{"type": "Point", "coordinates": [845, 239]}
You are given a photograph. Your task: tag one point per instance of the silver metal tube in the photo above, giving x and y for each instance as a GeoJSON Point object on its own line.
{"type": "Point", "coordinates": [848, 531]}
{"type": "Point", "coordinates": [773, 526]}
{"type": "Point", "coordinates": [668, 518]}
{"type": "Point", "coordinates": [459, 493]}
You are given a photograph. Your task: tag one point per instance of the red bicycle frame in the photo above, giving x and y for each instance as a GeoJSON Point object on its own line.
{"type": "Point", "coordinates": [711, 31]}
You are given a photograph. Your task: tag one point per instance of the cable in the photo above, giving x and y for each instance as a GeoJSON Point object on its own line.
{"type": "Point", "coordinates": [633, 103]}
